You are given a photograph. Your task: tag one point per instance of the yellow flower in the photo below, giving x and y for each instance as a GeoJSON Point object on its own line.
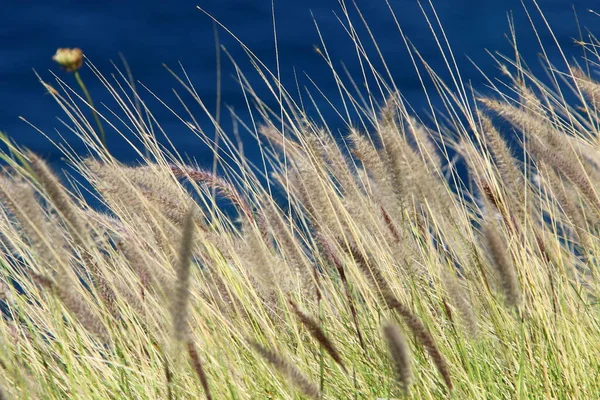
{"type": "Point", "coordinates": [70, 59]}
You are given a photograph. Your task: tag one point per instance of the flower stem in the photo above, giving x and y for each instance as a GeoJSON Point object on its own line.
{"type": "Point", "coordinates": [91, 103]}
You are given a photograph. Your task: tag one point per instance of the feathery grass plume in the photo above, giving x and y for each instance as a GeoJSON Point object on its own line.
{"type": "Point", "coordinates": [412, 321]}
{"type": "Point", "coordinates": [400, 355]}
{"type": "Point", "coordinates": [138, 262]}
{"type": "Point", "coordinates": [226, 189]}
{"type": "Point", "coordinates": [219, 294]}
{"type": "Point", "coordinates": [68, 295]}
{"type": "Point", "coordinates": [503, 264]}
{"type": "Point", "coordinates": [378, 182]}
{"type": "Point", "coordinates": [337, 263]}
{"type": "Point", "coordinates": [263, 266]}
{"type": "Point", "coordinates": [505, 162]}
{"type": "Point", "coordinates": [427, 146]}
{"type": "Point", "coordinates": [461, 301]}
{"type": "Point", "coordinates": [181, 293]}
{"type": "Point", "coordinates": [390, 224]}
{"type": "Point", "coordinates": [567, 168]}
{"type": "Point", "coordinates": [523, 119]}
{"type": "Point", "coordinates": [168, 376]}
{"type": "Point", "coordinates": [293, 150]}
{"type": "Point", "coordinates": [564, 140]}
{"type": "Point", "coordinates": [141, 189]}
{"type": "Point", "coordinates": [330, 202]}
{"type": "Point", "coordinates": [374, 274]}
{"type": "Point", "coordinates": [591, 92]}
{"type": "Point", "coordinates": [325, 211]}
{"type": "Point", "coordinates": [199, 368]}
{"type": "Point", "coordinates": [77, 228]}
{"type": "Point", "coordinates": [547, 145]}
{"type": "Point", "coordinates": [394, 148]}
{"type": "Point", "coordinates": [323, 145]}
{"type": "Point", "coordinates": [530, 103]}
{"type": "Point", "coordinates": [565, 201]}
{"type": "Point", "coordinates": [588, 86]}
{"type": "Point", "coordinates": [317, 332]}
{"type": "Point", "coordinates": [367, 154]}
{"type": "Point", "coordinates": [289, 370]}
{"type": "Point", "coordinates": [588, 151]}
{"type": "Point", "coordinates": [423, 181]}
{"type": "Point", "coordinates": [60, 200]}
{"type": "Point", "coordinates": [19, 198]}
{"type": "Point", "coordinates": [339, 173]}
{"type": "Point", "coordinates": [490, 187]}
{"type": "Point", "coordinates": [159, 188]}
{"type": "Point", "coordinates": [137, 206]}
{"type": "Point", "coordinates": [412, 173]}
{"type": "Point", "coordinates": [424, 337]}
{"type": "Point", "coordinates": [290, 246]}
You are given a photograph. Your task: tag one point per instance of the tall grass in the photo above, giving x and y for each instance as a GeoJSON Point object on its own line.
{"type": "Point", "coordinates": [367, 267]}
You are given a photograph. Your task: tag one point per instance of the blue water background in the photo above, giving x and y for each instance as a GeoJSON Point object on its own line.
{"type": "Point", "coordinates": [151, 32]}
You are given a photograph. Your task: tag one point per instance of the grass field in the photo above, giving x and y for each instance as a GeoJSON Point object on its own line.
{"type": "Point", "coordinates": [418, 257]}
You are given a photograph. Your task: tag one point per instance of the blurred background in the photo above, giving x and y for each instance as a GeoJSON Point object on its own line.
{"type": "Point", "coordinates": [151, 33]}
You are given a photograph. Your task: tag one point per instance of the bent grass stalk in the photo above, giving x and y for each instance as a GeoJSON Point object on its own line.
{"type": "Point", "coordinates": [368, 238]}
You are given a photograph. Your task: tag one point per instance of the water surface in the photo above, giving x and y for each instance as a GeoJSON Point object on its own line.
{"type": "Point", "coordinates": [151, 33]}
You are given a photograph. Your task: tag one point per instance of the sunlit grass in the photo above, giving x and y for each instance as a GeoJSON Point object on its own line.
{"type": "Point", "coordinates": [367, 267]}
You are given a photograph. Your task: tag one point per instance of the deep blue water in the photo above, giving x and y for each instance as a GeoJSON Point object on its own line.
{"type": "Point", "coordinates": [151, 32]}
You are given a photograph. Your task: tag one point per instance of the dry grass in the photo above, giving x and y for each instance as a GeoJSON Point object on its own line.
{"type": "Point", "coordinates": [491, 273]}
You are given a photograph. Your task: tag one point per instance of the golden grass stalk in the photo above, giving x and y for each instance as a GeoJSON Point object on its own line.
{"type": "Point", "coordinates": [337, 263]}
{"type": "Point", "coordinates": [399, 203]}
{"type": "Point", "coordinates": [317, 332]}
{"type": "Point", "coordinates": [199, 368]}
{"type": "Point", "coordinates": [400, 355]}
{"type": "Point", "coordinates": [19, 198]}
{"type": "Point", "coordinates": [59, 199]}
{"type": "Point", "coordinates": [181, 293]}
{"type": "Point", "coordinates": [67, 294]}
{"type": "Point", "coordinates": [413, 322]}
{"type": "Point", "coordinates": [504, 266]}
{"type": "Point", "coordinates": [225, 188]}
{"type": "Point", "coordinates": [510, 173]}
{"type": "Point", "coordinates": [461, 301]}
{"type": "Point", "coordinates": [289, 370]}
